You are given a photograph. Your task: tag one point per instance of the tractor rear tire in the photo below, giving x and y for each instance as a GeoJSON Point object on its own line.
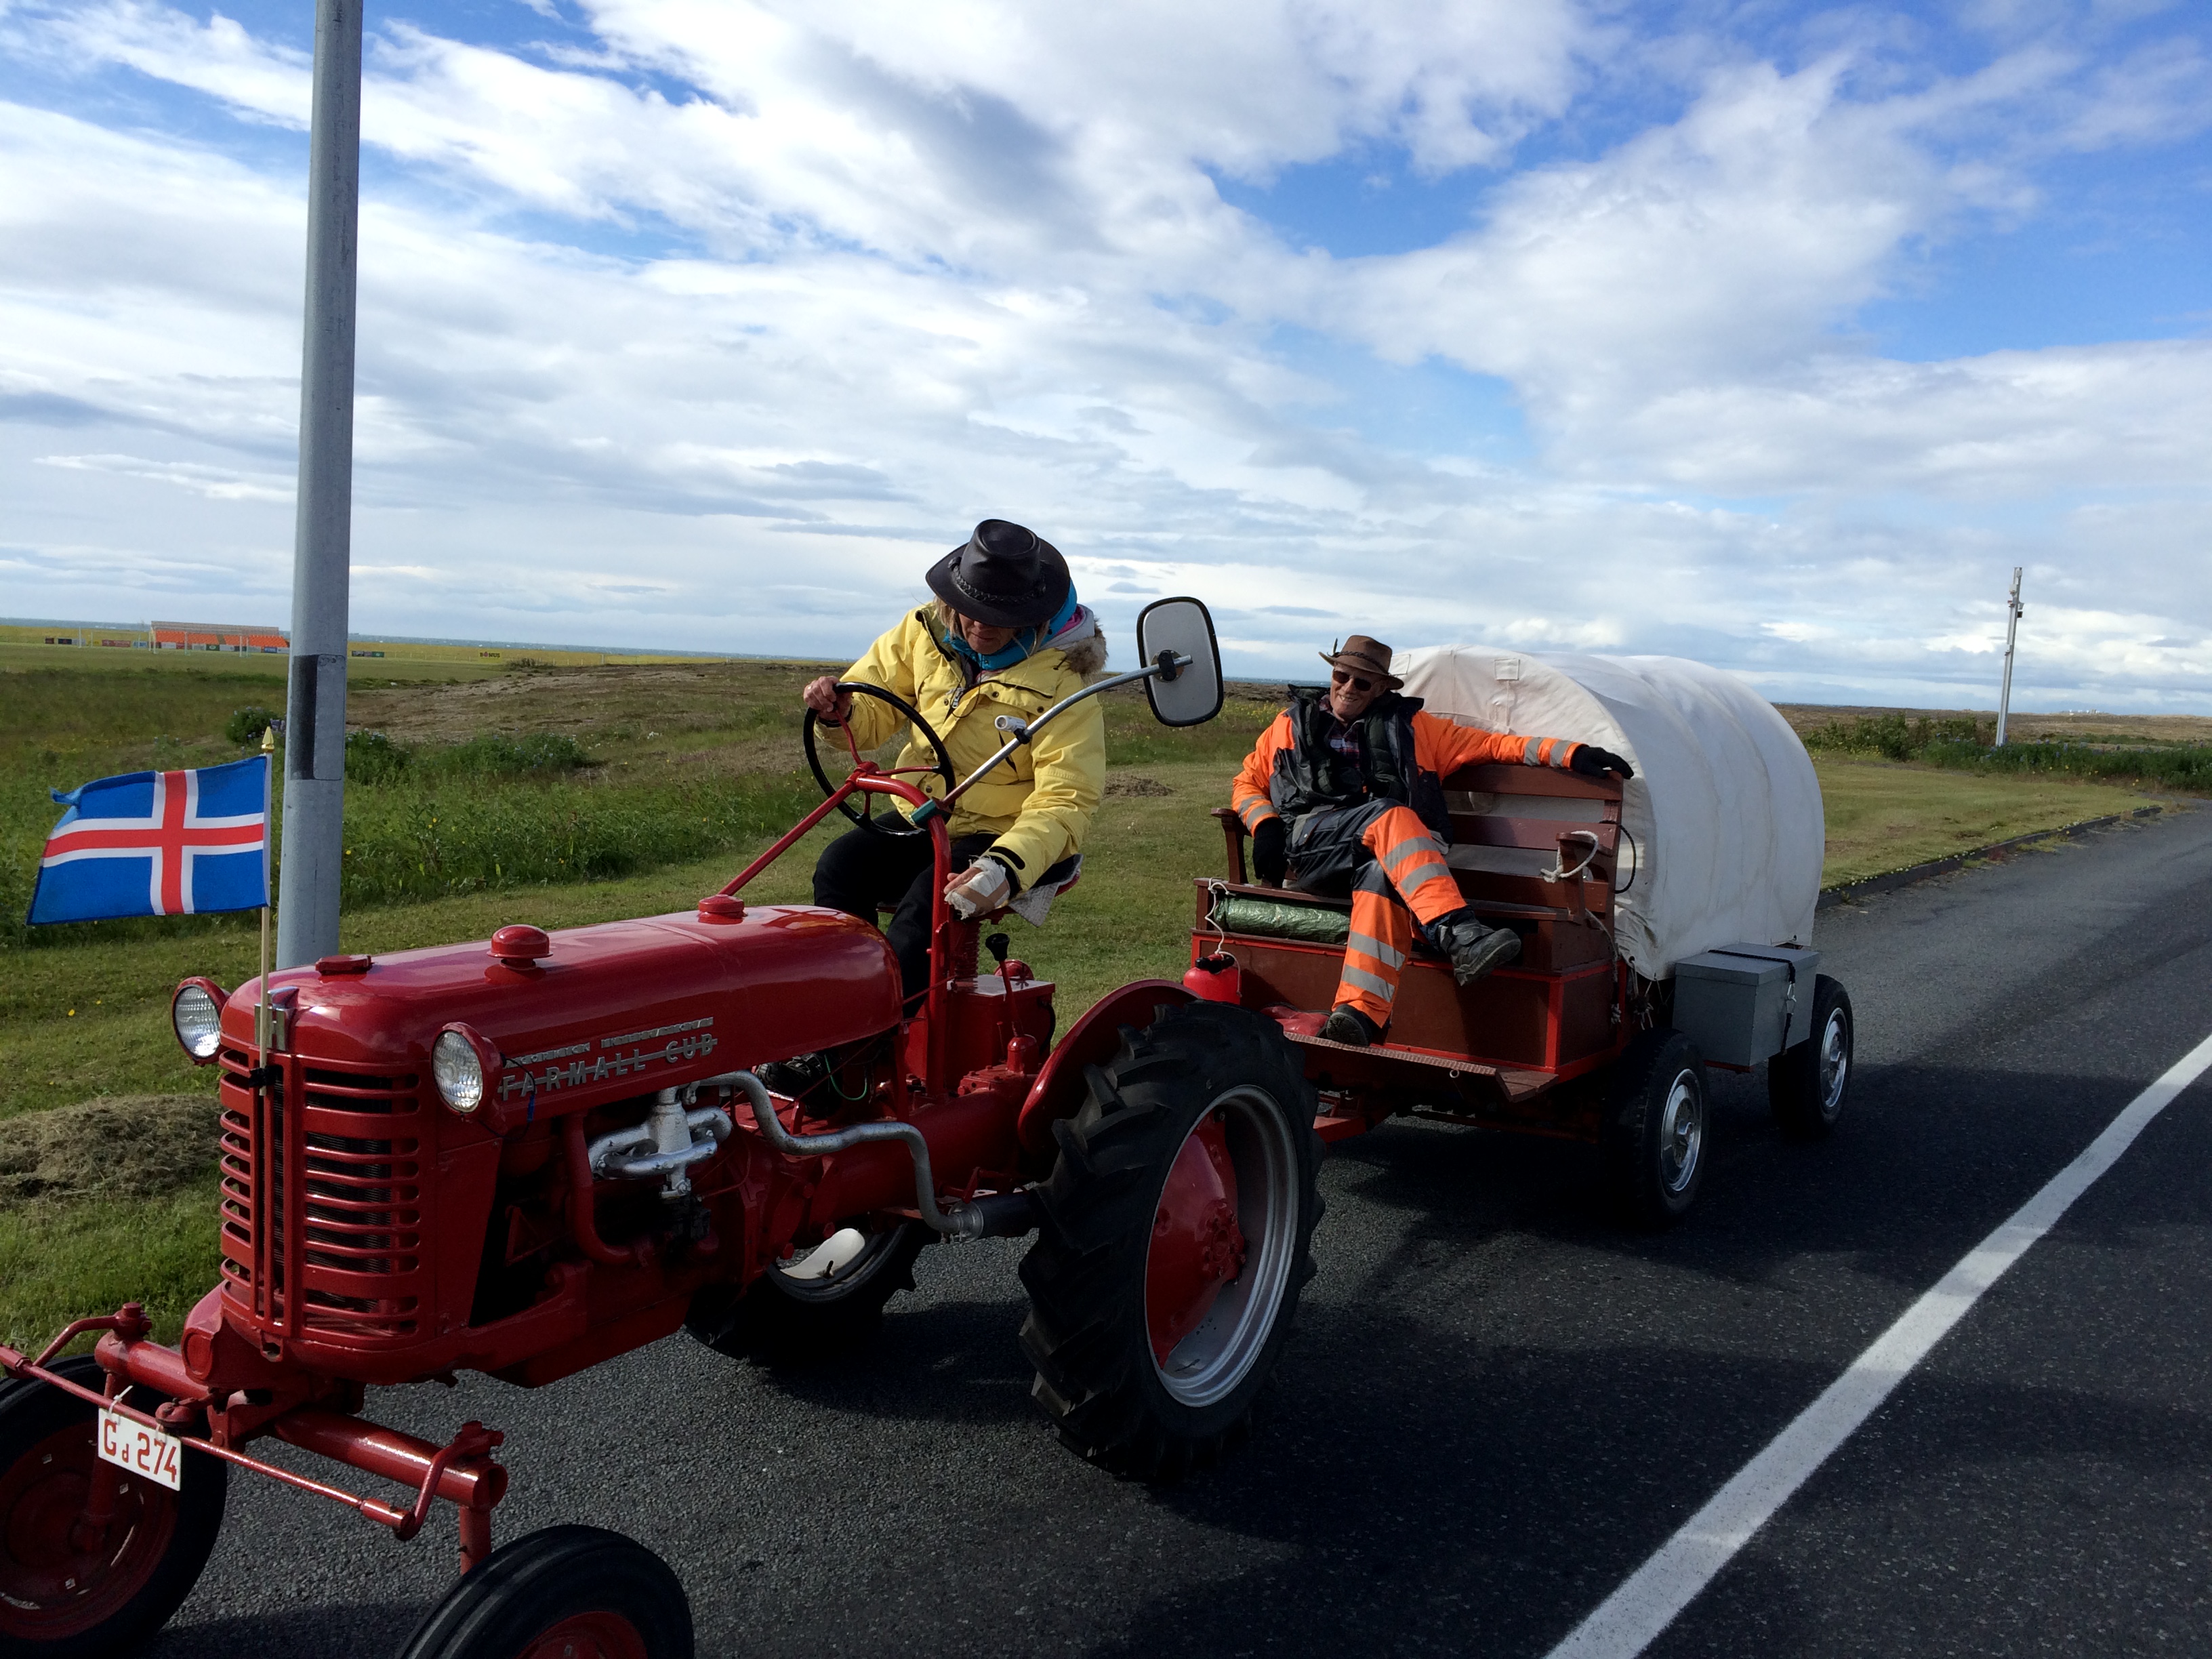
{"type": "Point", "coordinates": [1655, 1128]}
{"type": "Point", "coordinates": [61, 1597]}
{"type": "Point", "coordinates": [579, 1591]}
{"type": "Point", "coordinates": [1176, 1234]}
{"type": "Point", "coordinates": [786, 1322]}
{"type": "Point", "coordinates": [1808, 1084]}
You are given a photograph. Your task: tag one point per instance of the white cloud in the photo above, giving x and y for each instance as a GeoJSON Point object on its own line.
{"type": "Point", "coordinates": [930, 262]}
{"type": "Point", "coordinates": [218, 57]}
{"type": "Point", "coordinates": [216, 483]}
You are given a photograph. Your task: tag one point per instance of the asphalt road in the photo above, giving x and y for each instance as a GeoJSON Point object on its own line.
{"type": "Point", "coordinates": [1497, 1403]}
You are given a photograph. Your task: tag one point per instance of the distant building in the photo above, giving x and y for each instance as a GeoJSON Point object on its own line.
{"type": "Point", "coordinates": [218, 636]}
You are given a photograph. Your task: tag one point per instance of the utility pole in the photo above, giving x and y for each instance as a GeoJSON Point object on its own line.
{"type": "Point", "coordinates": [2013, 614]}
{"type": "Point", "coordinates": [314, 723]}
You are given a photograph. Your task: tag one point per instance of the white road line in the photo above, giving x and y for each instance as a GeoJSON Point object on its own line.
{"type": "Point", "coordinates": [1628, 1621]}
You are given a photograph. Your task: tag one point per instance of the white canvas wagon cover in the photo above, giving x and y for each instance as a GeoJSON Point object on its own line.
{"type": "Point", "coordinates": [1724, 807]}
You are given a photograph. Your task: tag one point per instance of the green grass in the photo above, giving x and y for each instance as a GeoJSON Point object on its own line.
{"type": "Point", "coordinates": [570, 797]}
{"type": "Point", "coordinates": [1886, 815]}
{"type": "Point", "coordinates": [267, 672]}
{"type": "Point", "coordinates": [60, 1261]}
{"type": "Point", "coordinates": [2167, 766]}
{"type": "Point", "coordinates": [1967, 745]}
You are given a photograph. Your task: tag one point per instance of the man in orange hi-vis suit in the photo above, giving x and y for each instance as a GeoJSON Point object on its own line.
{"type": "Point", "coordinates": [1344, 789]}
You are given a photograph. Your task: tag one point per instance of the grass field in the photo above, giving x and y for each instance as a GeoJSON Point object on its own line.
{"type": "Point", "coordinates": [106, 1188]}
{"type": "Point", "coordinates": [1884, 815]}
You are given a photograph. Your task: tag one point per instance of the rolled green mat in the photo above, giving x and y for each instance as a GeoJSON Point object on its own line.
{"type": "Point", "coordinates": [1237, 913]}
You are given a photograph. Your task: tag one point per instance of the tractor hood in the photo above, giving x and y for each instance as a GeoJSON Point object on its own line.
{"type": "Point", "coordinates": [605, 1011]}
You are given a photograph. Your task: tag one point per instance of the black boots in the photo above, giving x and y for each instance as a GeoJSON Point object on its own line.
{"type": "Point", "coordinates": [1474, 949]}
{"type": "Point", "coordinates": [1347, 1026]}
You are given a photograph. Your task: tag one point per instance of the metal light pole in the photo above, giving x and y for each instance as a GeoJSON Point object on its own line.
{"type": "Point", "coordinates": [2013, 614]}
{"type": "Point", "coordinates": [314, 722]}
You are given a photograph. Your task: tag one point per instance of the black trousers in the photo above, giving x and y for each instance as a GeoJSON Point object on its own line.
{"type": "Point", "coordinates": [1326, 851]}
{"type": "Point", "coordinates": [860, 871]}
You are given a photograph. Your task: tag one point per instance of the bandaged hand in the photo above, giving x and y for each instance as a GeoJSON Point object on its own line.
{"type": "Point", "coordinates": [979, 888]}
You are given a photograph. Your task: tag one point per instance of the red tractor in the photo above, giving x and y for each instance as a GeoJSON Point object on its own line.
{"type": "Point", "coordinates": [525, 1157]}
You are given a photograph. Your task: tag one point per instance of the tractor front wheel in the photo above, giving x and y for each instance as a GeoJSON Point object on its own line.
{"type": "Point", "coordinates": [1177, 1235]}
{"type": "Point", "coordinates": [564, 1593]}
{"type": "Point", "coordinates": [1656, 1129]}
{"type": "Point", "coordinates": [74, 1582]}
{"type": "Point", "coordinates": [808, 1309]}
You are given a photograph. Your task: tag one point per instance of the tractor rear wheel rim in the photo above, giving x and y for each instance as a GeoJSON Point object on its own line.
{"type": "Point", "coordinates": [1202, 1365]}
{"type": "Point", "coordinates": [1681, 1134]}
{"type": "Point", "coordinates": [588, 1636]}
{"type": "Point", "coordinates": [51, 1587]}
{"type": "Point", "coordinates": [1835, 1063]}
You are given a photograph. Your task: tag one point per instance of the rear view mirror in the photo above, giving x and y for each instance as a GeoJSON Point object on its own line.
{"type": "Point", "coordinates": [1188, 690]}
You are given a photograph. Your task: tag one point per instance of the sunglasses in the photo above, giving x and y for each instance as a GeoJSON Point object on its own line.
{"type": "Point", "coordinates": [1340, 676]}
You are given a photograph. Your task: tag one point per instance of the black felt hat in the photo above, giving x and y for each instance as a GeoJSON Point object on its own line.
{"type": "Point", "coordinates": [1006, 576]}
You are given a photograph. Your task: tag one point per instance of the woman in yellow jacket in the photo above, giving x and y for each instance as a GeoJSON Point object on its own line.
{"type": "Point", "coordinates": [1005, 635]}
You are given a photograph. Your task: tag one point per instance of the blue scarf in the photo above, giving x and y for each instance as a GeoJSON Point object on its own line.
{"type": "Point", "coordinates": [1021, 647]}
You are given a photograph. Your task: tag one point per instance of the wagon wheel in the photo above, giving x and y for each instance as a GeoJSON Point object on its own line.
{"type": "Point", "coordinates": [1807, 1085]}
{"type": "Point", "coordinates": [893, 823]}
{"type": "Point", "coordinates": [1655, 1127]}
{"type": "Point", "coordinates": [1177, 1231]}
{"type": "Point", "coordinates": [71, 1587]}
{"type": "Point", "coordinates": [789, 1319]}
{"type": "Point", "coordinates": [564, 1593]}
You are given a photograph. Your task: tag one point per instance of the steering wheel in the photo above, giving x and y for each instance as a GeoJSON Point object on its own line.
{"type": "Point", "coordinates": [864, 815]}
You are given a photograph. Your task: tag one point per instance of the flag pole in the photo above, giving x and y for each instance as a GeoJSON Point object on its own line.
{"type": "Point", "coordinates": [315, 708]}
{"type": "Point", "coordinates": [261, 1013]}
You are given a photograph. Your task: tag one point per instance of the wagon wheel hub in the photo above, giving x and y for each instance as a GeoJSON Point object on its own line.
{"type": "Point", "coordinates": [1197, 1246]}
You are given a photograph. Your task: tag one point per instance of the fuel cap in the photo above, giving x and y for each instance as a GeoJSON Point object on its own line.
{"type": "Point", "coordinates": [519, 945]}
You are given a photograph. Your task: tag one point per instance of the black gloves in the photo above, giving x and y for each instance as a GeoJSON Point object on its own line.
{"type": "Point", "coordinates": [1271, 858]}
{"type": "Point", "coordinates": [1590, 761]}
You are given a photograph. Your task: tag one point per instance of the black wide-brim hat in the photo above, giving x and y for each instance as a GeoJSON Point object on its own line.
{"type": "Point", "coordinates": [1005, 575]}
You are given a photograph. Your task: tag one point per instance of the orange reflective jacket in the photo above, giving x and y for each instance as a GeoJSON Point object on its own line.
{"type": "Point", "coordinates": [1280, 775]}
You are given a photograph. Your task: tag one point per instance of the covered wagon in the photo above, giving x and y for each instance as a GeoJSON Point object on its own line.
{"type": "Point", "coordinates": [1666, 924]}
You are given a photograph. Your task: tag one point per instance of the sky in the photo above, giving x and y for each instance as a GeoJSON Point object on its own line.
{"type": "Point", "coordinates": [1769, 334]}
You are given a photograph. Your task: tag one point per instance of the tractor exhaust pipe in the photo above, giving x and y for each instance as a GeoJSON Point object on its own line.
{"type": "Point", "coordinates": [1003, 1215]}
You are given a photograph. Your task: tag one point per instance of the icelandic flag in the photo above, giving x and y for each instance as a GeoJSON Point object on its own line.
{"type": "Point", "coordinates": [159, 844]}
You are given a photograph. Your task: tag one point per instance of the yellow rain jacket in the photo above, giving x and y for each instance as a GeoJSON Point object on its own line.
{"type": "Point", "coordinates": [1039, 801]}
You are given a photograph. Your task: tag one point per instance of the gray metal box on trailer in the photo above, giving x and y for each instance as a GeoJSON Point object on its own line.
{"type": "Point", "coordinates": [1743, 1003]}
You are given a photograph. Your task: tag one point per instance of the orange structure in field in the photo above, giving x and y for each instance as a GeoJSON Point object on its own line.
{"type": "Point", "coordinates": [218, 636]}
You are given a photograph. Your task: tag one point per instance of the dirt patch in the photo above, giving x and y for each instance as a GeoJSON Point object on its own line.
{"type": "Point", "coordinates": [119, 1147]}
{"type": "Point", "coordinates": [582, 701]}
{"type": "Point", "coordinates": [1133, 784]}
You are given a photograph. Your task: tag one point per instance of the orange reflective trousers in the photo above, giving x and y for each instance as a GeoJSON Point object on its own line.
{"type": "Point", "coordinates": [1400, 867]}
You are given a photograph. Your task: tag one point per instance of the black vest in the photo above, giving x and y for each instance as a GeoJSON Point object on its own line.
{"type": "Point", "coordinates": [1309, 775]}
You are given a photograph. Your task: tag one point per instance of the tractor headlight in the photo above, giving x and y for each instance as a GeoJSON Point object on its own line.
{"type": "Point", "coordinates": [196, 1012]}
{"type": "Point", "coordinates": [457, 1069]}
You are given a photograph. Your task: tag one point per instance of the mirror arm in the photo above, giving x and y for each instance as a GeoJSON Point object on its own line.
{"type": "Point", "coordinates": [1167, 667]}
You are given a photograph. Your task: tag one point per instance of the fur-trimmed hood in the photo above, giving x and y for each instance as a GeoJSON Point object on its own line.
{"type": "Point", "coordinates": [1081, 642]}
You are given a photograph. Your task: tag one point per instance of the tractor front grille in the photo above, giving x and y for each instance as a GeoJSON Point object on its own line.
{"type": "Point", "coordinates": [342, 1210]}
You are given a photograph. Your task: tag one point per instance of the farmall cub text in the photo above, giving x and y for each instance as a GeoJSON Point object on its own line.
{"type": "Point", "coordinates": [529, 1157]}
